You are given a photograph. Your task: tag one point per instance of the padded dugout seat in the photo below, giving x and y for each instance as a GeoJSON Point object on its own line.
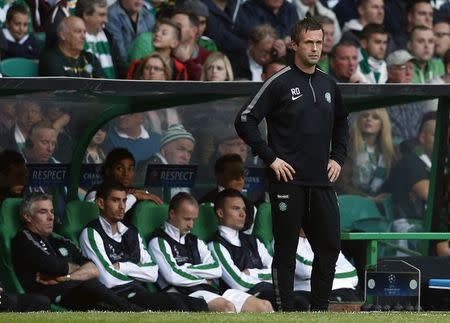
{"type": "Point", "coordinates": [148, 217]}
{"type": "Point", "coordinates": [263, 225]}
{"type": "Point", "coordinates": [205, 226]}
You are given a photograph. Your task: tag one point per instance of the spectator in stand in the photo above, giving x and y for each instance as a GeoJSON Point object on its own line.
{"type": "Point", "coordinates": [372, 155]}
{"type": "Point", "coordinates": [229, 172]}
{"type": "Point", "coordinates": [20, 43]}
{"type": "Point", "coordinates": [263, 46]}
{"type": "Point", "coordinates": [273, 67]}
{"type": "Point", "coordinates": [198, 8]}
{"type": "Point", "coordinates": [122, 258]}
{"type": "Point", "coordinates": [222, 25]}
{"type": "Point", "coordinates": [280, 14]}
{"type": "Point", "coordinates": [245, 261]}
{"type": "Point", "coordinates": [421, 46]}
{"type": "Point", "coordinates": [217, 68]}
{"type": "Point", "coordinates": [41, 144]}
{"type": "Point", "coordinates": [329, 39]}
{"type": "Point", "coordinates": [7, 118]}
{"type": "Point", "coordinates": [94, 152]}
{"type": "Point", "coordinates": [369, 11]}
{"type": "Point", "coordinates": [315, 8]}
{"type": "Point", "coordinates": [98, 40]}
{"type": "Point", "coordinates": [13, 174]}
{"type": "Point", "coordinates": [410, 182]}
{"type": "Point", "coordinates": [445, 79]}
{"type": "Point", "coordinates": [27, 114]}
{"type": "Point", "coordinates": [126, 20]}
{"type": "Point", "coordinates": [70, 58]}
{"type": "Point", "coordinates": [53, 266]}
{"type": "Point", "coordinates": [188, 51]}
{"type": "Point", "coordinates": [43, 13]}
{"type": "Point", "coordinates": [405, 118]}
{"type": "Point", "coordinates": [60, 119]}
{"type": "Point", "coordinates": [372, 65]}
{"type": "Point", "coordinates": [187, 266]}
{"type": "Point", "coordinates": [344, 63]}
{"type": "Point", "coordinates": [153, 67]}
{"type": "Point", "coordinates": [441, 31]}
{"type": "Point", "coordinates": [130, 133]}
{"type": "Point", "coordinates": [119, 167]}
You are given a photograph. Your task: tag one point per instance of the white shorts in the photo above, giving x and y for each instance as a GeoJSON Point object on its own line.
{"type": "Point", "coordinates": [236, 297]}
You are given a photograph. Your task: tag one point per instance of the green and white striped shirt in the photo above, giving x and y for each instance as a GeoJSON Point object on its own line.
{"type": "Point", "coordinates": [99, 46]}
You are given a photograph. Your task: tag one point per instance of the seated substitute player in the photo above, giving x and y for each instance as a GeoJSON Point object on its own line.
{"type": "Point", "coordinates": [245, 261]}
{"type": "Point", "coordinates": [187, 266]}
{"type": "Point", "coordinates": [121, 257]}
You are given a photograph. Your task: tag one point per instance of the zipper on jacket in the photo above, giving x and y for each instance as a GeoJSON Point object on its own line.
{"type": "Point", "coordinates": [312, 89]}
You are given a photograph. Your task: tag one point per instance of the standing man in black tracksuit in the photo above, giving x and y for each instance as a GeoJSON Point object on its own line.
{"type": "Point", "coordinates": [307, 138]}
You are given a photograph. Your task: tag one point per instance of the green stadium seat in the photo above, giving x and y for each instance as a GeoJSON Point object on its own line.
{"type": "Point", "coordinates": [388, 209]}
{"type": "Point", "coordinates": [19, 67]}
{"type": "Point", "coordinates": [359, 213]}
{"type": "Point", "coordinates": [77, 215]}
{"type": "Point", "coordinates": [40, 37]}
{"type": "Point", "coordinates": [148, 217]}
{"type": "Point", "coordinates": [206, 224]}
{"type": "Point", "coordinates": [263, 225]}
{"type": "Point", "coordinates": [10, 224]}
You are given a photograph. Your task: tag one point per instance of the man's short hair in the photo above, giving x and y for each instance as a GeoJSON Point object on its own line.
{"type": "Point", "coordinates": [179, 198]}
{"type": "Point", "coordinates": [113, 157]}
{"type": "Point", "coordinates": [219, 202]}
{"type": "Point", "coordinates": [420, 27]}
{"type": "Point", "coordinates": [193, 18]}
{"type": "Point", "coordinates": [411, 4]}
{"type": "Point", "coordinates": [8, 158]}
{"type": "Point", "coordinates": [88, 7]}
{"type": "Point", "coordinates": [17, 8]}
{"type": "Point", "coordinates": [29, 199]}
{"type": "Point", "coordinates": [343, 43]}
{"type": "Point", "coordinates": [105, 188]}
{"type": "Point", "coordinates": [371, 29]}
{"type": "Point", "coordinates": [430, 115]}
{"type": "Point", "coordinates": [324, 20]}
{"type": "Point", "coordinates": [302, 26]}
{"type": "Point", "coordinates": [43, 124]}
{"type": "Point", "coordinates": [260, 32]}
{"type": "Point", "coordinates": [223, 165]}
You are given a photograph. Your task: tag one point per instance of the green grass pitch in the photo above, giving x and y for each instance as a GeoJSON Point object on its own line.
{"type": "Point", "coordinates": [66, 317]}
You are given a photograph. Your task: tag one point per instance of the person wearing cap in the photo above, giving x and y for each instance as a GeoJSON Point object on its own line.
{"type": "Point", "coordinates": [405, 118]}
{"type": "Point", "coordinates": [176, 148]}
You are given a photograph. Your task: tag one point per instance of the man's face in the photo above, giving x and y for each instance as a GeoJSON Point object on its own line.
{"type": "Point", "coordinates": [44, 143]}
{"type": "Point", "coordinates": [261, 51]}
{"type": "Point", "coordinates": [184, 217]}
{"type": "Point", "coordinates": [401, 73]}
{"type": "Point", "coordinates": [130, 122]}
{"type": "Point", "coordinates": [97, 21]}
{"type": "Point", "coordinates": [422, 15]}
{"type": "Point", "coordinates": [376, 45]}
{"type": "Point", "coordinates": [309, 47]}
{"type": "Point", "coordinates": [422, 45]}
{"type": "Point", "coordinates": [178, 152]}
{"type": "Point", "coordinates": [75, 36]}
{"type": "Point", "coordinates": [41, 217]}
{"type": "Point", "coordinates": [165, 37]}
{"type": "Point", "coordinates": [123, 172]}
{"type": "Point", "coordinates": [188, 31]}
{"type": "Point", "coordinates": [274, 5]}
{"type": "Point", "coordinates": [113, 208]}
{"type": "Point", "coordinates": [426, 137]}
{"type": "Point", "coordinates": [132, 6]}
{"type": "Point", "coordinates": [442, 36]}
{"type": "Point", "coordinates": [18, 26]}
{"type": "Point", "coordinates": [328, 38]}
{"type": "Point", "coordinates": [345, 62]}
{"type": "Point", "coordinates": [28, 116]}
{"type": "Point", "coordinates": [233, 146]}
{"type": "Point", "coordinates": [233, 213]}
{"type": "Point", "coordinates": [372, 11]}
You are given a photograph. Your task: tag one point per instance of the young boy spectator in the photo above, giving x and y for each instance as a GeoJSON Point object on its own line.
{"type": "Point", "coordinates": [187, 266]}
{"type": "Point", "coordinates": [19, 42]}
{"type": "Point", "coordinates": [373, 42]}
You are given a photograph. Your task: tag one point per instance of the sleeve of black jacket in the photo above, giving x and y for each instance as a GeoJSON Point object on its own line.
{"type": "Point", "coordinates": [250, 116]}
{"type": "Point", "coordinates": [340, 130]}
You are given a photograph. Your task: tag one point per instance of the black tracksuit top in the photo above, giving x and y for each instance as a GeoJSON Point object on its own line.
{"type": "Point", "coordinates": [306, 124]}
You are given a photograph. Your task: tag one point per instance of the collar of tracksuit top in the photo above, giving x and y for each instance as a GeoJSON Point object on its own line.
{"type": "Point", "coordinates": [174, 233]}
{"type": "Point", "coordinates": [121, 229]}
{"type": "Point", "coordinates": [231, 235]}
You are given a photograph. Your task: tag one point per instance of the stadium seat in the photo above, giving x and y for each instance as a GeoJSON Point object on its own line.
{"type": "Point", "coordinates": [9, 226]}
{"type": "Point", "coordinates": [206, 224]}
{"type": "Point", "coordinates": [19, 67]}
{"type": "Point", "coordinates": [360, 214]}
{"type": "Point", "coordinates": [40, 37]}
{"type": "Point", "coordinates": [263, 225]}
{"type": "Point", "coordinates": [148, 217]}
{"type": "Point", "coordinates": [77, 215]}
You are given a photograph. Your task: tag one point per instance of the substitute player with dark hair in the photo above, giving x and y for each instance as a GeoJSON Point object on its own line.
{"type": "Point", "coordinates": [307, 139]}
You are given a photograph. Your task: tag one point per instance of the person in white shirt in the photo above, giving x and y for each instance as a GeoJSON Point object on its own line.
{"type": "Point", "coordinates": [187, 266]}
{"type": "Point", "coordinates": [119, 253]}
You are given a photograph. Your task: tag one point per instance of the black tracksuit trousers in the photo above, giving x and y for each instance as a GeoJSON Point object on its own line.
{"type": "Point", "coordinates": [314, 209]}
